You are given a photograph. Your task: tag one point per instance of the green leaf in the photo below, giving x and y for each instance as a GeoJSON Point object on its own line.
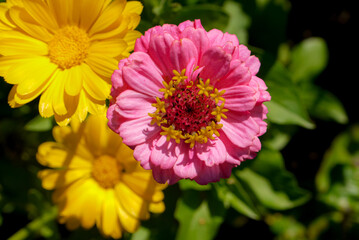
{"type": "Point", "coordinates": [199, 218]}
{"type": "Point", "coordinates": [286, 106]}
{"type": "Point", "coordinates": [239, 21]}
{"type": "Point", "coordinates": [211, 15]}
{"type": "Point", "coordinates": [187, 184]}
{"type": "Point", "coordinates": [343, 151]}
{"type": "Point", "coordinates": [271, 183]}
{"type": "Point", "coordinates": [36, 226]}
{"type": "Point", "coordinates": [309, 58]}
{"type": "Point", "coordinates": [141, 234]}
{"type": "Point", "coordinates": [39, 124]}
{"type": "Point", "coordinates": [233, 194]}
{"type": "Point", "coordinates": [323, 104]}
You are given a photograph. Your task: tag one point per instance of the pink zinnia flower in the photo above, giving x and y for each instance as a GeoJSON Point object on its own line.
{"type": "Point", "coordinates": [188, 102]}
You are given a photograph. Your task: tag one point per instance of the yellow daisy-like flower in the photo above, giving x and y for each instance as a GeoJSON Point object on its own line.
{"type": "Point", "coordinates": [97, 180]}
{"type": "Point", "coordinates": [65, 51]}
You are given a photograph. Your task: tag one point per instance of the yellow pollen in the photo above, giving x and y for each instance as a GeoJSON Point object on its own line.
{"type": "Point", "coordinates": [205, 88]}
{"type": "Point", "coordinates": [179, 77]}
{"type": "Point", "coordinates": [69, 47]}
{"type": "Point", "coordinates": [217, 96]}
{"type": "Point", "coordinates": [156, 118]}
{"type": "Point", "coordinates": [106, 170]}
{"type": "Point", "coordinates": [219, 112]}
{"type": "Point", "coordinates": [168, 90]}
{"type": "Point", "coordinates": [160, 105]}
{"type": "Point", "coordinates": [170, 132]}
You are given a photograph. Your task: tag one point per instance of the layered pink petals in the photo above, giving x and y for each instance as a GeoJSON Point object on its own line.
{"type": "Point", "coordinates": [205, 55]}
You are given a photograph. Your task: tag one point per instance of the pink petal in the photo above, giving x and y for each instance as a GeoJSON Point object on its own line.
{"type": "Point", "coordinates": [114, 118]}
{"type": "Point", "coordinates": [242, 53]}
{"type": "Point", "coordinates": [239, 98]}
{"type": "Point", "coordinates": [164, 154]}
{"type": "Point", "coordinates": [216, 63]}
{"type": "Point", "coordinates": [137, 131]}
{"type": "Point", "coordinates": [185, 165]}
{"type": "Point", "coordinates": [117, 80]}
{"type": "Point", "coordinates": [238, 74]}
{"type": "Point", "coordinates": [211, 153]}
{"type": "Point", "coordinates": [159, 49]}
{"type": "Point", "coordinates": [199, 38]}
{"type": "Point", "coordinates": [181, 52]}
{"type": "Point", "coordinates": [235, 155]}
{"type": "Point", "coordinates": [264, 95]}
{"type": "Point", "coordinates": [142, 75]}
{"type": "Point", "coordinates": [132, 104]}
{"type": "Point", "coordinates": [218, 38]}
{"type": "Point", "coordinates": [195, 24]}
{"type": "Point", "coordinates": [165, 175]}
{"type": "Point", "coordinates": [213, 174]}
{"type": "Point", "coordinates": [259, 113]}
{"type": "Point", "coordinates": [143, 152]}
{"type": "Point", "coordinates": [240, 128]}
{"type": "Point", "coordinates": [253, 64]}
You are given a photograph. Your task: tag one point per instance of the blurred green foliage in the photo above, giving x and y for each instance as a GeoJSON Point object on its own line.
{"type": "Point", "coordinates": [260, 191]}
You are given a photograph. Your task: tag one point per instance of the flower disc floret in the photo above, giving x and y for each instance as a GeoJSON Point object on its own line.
{"type": "Point", "coordinates": [186, 110]}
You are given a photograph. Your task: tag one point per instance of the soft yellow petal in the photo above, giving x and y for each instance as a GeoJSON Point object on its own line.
{"type": "Point", "coordinates": [61, 134]}
{"type": "Point", "coordinates": [29, 70]}
{"type": "Point", "coordinates": [131, 38]}
{"type": "Point", "coordinates": [133, 7]}
{"type": "Point", "coordinates": [102, 65]}
{"type": "Point", "coordinates": [92, 206]}
{"type": "Point", "coordinates": [58, 178]}
{"type": "Point", "coordinates": [89, 12]}
{"type": "Point", "coordinates": [82, 108]}
{"type": "Point", "coordinates": [6, 62]}
{"type": "Point", "coordinates": [96, 134]}
{"type": "Point", "coordinates": [61, 194]}
{"type": "Point", "coordinates": [16, 43]}
{"type": "Point", "coordinates": [11, 98]}
{"type": "Point", "coordinates": [51, 154]}
{"type": "Point", "coordinates": [128, 222]}
{"type": "Point", "coordinates": [131, 202]}
{"type": "Point", "coordinates": [24, 21]}
{"type": "Point", "coordinates": [5, 24]}
{"type": "Point", "coordinates": [109, 47]}
{"type": "Point", "coordinates": [143, 185]}
{"type": "Point", "coordinates": [73, 82]}
{"type": "Point", "coordinates": [121, 29]}
{"type": "Point", "coordinates": [35, 76]}
{"type": "Point", "coordinates": [108, 16]}
{"type": "Point", "coordinates": [41, 12]}
{"type": "Point", "coordinates": [62, 10]}
{"type": "Point", "coordinates": [46, 99]}
{"type": "Point", "coordinates": [109, 222]}
{"type": "Point", "coordinates": [94, 85]}
{"type": "Point", "coordinates": [95, 106]}
{"type": "Point", "coordinates": [58, 85]}
{"type": "Point", "coordinates": [62, 120]}
{"type": "Point", "coordinates": [157, 207]}
{"type": "Point", "coordinates": [15, 3]}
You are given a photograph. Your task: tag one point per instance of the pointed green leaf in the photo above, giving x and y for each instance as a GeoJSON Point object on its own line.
{"type": "Point", "coordinates": [199, 218]}
{"type": "Point", "coordinates": [309, 58]}
{"type": "Point", "coordinates": [286, 106]}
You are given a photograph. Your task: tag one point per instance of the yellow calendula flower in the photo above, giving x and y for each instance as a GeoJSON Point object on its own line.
{"type": "Point", "coordinates": [97, 180]}
{"type": "Point", "coordinates": [65, 51]}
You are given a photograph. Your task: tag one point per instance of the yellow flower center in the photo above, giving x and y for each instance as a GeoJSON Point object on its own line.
{"type": "Point", "coordinates": [69, 47]}
{"type": "Point", "coordinates": [106, 170]}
